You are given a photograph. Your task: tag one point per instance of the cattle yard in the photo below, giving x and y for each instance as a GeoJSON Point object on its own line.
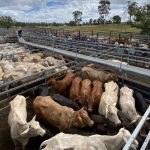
{"type": "Point", "coordinates": [52, 64]}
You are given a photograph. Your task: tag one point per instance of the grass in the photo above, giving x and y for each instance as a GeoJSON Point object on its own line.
{"type": "Point", "coordinates": [101, 28]}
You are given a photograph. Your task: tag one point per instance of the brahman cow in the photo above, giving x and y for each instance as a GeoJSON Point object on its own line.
{"type": "Point", "coordinates": [21, 130]}
{"type": "Point", "coordinates": [127, 105]}
{"type": "Point", "coordinates": [61, 85]}
{"type": "Point", "coordinates": [95, 97]}
{"type": "Point", "coordinates": [85, 91]}
{"type": "Point", "coordinates": [101, 75]}
{"type": "Point", "coordinates": [95, 142]}
{"type": "Point", "coordinates": [74, 92]}
{"type": "Point", "coordinates": [59, 116]}
{"type": "Point", "coordinates": [109, 100]}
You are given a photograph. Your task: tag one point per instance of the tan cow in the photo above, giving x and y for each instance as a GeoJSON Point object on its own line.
{"type": "Point", "coordinates": [85, 91]}
{"type": "Point", "coordinates": [74, 93]}
{"type": "Point", "coordinates": [95, 97]}
{"type": "Point", "coordinates": [101, 75]}
{"type": "Point", "coordinates": [20, 129]}
{"type": "Point", "coordinates": [95, 142]}
{"type": "Point", "coordinates": [59, 116]}
{"type": "Point", "coordinates": [109, 100]}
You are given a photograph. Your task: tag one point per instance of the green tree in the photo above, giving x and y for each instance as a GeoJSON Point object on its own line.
{"type": "Point", "coordinates": [72, 23]}
{"type": "Point", "coordinates": [6, 21]}
{"type": "Point", "coordinates": [116, 19]}
{"type": "Point", "coordinates": [142, 18]}
{"type": "Point", "coordinates": [77, 17]}
{"type": "Point", "coordinates": [91, 21]}
{"type": "Point", "coordinates": [132, 8]}
{"type": "Point", "coordinates": [101, 20]}
{"type": "Point", "coordinates": [95, 21]}
{"type": "Point", "coordinates": [104, 8]}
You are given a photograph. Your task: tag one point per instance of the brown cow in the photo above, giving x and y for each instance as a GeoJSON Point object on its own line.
{"type": "Point", "coordinates": [59, 116]}
{"type": "Point", "coordinates": [85, 91]}
{"type": "Point", "coordinates": [94, 99]}
{"type": "Point", "coordinates": [61, 85]}
{"type": "Point", "coordinates": [74, 92]}
{"type": "Point", "coordinates": [96, 74]}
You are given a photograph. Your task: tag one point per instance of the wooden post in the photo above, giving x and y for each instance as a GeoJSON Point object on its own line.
{"type": "Point", "coordinates": [79, 34]}
{"type": "Point", "coordinates": [97, 37]}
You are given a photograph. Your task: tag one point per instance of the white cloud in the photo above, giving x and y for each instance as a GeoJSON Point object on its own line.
{"type": "Point", "coordinates": [23, 10]}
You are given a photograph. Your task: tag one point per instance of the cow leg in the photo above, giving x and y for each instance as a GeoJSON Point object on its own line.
{"type": "Point", "coordinates": [17, 145]}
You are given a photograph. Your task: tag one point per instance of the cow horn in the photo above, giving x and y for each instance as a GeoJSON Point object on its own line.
{"type": "Point", "coordinates": [134, 121]}
{"type": "Point", "coordinates": [25, 132]}
{"type": "Point", "coordinates": [34, 118]}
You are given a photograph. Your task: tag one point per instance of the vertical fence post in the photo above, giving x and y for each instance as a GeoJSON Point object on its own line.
{"type": "Point", "coordinates": [92, 33]}
{"type": "Point", "coordinates": [79, 35]}
{"type": "Point", "coordinates": [97, 37]}
{"type": "Point", "coordinates": [119, 37]}
{"type": "Point", "coordinates": [109, 37]}
{"type": "Point", "coordinates": [131, 37]}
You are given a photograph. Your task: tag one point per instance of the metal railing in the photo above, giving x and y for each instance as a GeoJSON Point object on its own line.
{"type": "Point", "coordinates": [135, 56]}
{"type": "Point", "coordinates": [136, 132]}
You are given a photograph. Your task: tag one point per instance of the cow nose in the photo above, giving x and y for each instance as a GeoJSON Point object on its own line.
{"type": "Point", "coordinates": [43, 133]}
{"type": "Point", "coordinates": [91, 123]}
{"type": "Point", "coordinates": [118, 124]}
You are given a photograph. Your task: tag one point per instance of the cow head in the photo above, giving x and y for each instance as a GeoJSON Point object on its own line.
{"type": "Point", "coordinates": [86, 71]}
{"type": "Point", "coordinates": [111, 86]}
{"type": "Point", "coordinates": [33, 129]}
{"type": "Point", "coordinates": [146, 127]}
{"type": "Point", "coordinates": [86, 119]}
{"type": "Point", "coordinates": [126, 91]}
{"type": "Point", "coordinates": [111, 114]}
{"type": "Point", "coordinates": [126, 135]}
{"type": "Point", "coordinates": [51, 82]}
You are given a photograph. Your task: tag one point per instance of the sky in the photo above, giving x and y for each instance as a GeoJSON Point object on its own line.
{"type": "Point", "coordinates": [60, 10]}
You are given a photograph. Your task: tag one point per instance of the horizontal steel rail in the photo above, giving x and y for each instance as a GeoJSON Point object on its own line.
{"type": "Point", "coordinates": [126, 68]}
{"type": "Point", "coordinates": [137, 57]}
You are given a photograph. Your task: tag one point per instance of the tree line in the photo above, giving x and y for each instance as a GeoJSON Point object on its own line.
{"type": "Point", "coordinates": [139, 16]}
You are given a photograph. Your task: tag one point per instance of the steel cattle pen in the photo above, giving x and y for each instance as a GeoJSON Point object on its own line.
{"type": "Point", "coordinates": [43, 76]}
{"type": "Point", "coordinates": [126, 76]}
{"type": "Point", "coordinates": [134, 56]}
{"type": "Point", "coordinates": [141, 123]}
{"type": "Point", "coordinates": [83, 35]}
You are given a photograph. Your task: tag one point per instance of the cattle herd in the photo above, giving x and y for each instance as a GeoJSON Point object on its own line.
{"type": "Point", "coordinates": [17, 62]}
{"type": "Point", "coordinates": [91, 110]}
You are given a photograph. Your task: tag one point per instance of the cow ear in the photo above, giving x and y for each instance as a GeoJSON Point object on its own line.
{"type": "Point", "coordinates": [25, 132]}
{"type": "Point", "coordinates": [34, 118]}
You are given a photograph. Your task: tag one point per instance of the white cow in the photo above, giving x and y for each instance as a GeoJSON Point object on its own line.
{"type": "Point", "coordinates": [108, 102]}
{"type": "Point", "coordinates": [118, 61]}
{"type": "Point", "coordinates": [95, 142]}
{"type": "Point", "coordinates": [127, 104]}
{"type": "Point", "coordinates": [20, 129]}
